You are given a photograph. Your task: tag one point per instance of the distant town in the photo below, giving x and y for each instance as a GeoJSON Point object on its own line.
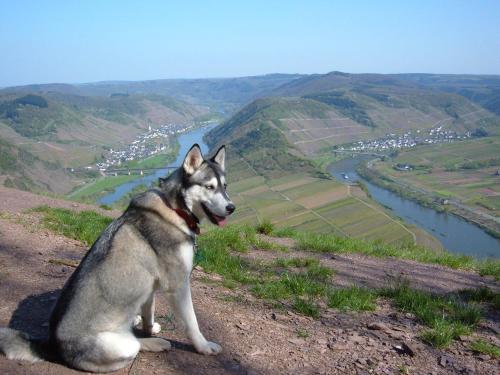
{"type": "Point", "coordinates": [406, 140]}
{"type": "Point", "coordinates": [153, 142]}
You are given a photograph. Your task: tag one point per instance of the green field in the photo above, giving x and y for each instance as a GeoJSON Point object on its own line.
{"type": "Point", "coordinates": [312, 204]}
{"type": "Point", "coordinates": [91, 191]}
{"type": "Point", "coordinates": [463, 171]}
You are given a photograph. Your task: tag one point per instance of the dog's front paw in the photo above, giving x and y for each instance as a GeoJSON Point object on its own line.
{"type": "Point", "coordinates": [209, 348]}
{"type": "Point", "coordinates": [156, 328]}
{"type": "Point", "coordinates": [137, 321]}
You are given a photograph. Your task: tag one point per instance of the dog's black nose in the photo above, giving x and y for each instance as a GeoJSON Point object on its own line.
{"type": "Point", "coordinates": [230, 208]}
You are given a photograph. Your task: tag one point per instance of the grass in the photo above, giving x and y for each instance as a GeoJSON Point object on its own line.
{"type": "Point", "coordinates": [483, 294]}
{"type": "Point", "coordinates": [481, 346]}
{"type": "Point", "coordinates": [353, 298]}
{"type": "Point", "coordinates": [296, 262]}
{"type": "Point", "coordinates": [447, 317]}
{"type": "Point", "coordinates": [328, 243]}
{"type": "Point", "coordinates": [218, 252]}
{"type": "Point", "coordinates": [306, 307]}
{"type": "Point", "coordinates": [84, 226]}
{"type": "Point", "coordinates": [265, 227]}
{"type": "Point", "coordinates": [302, 333]}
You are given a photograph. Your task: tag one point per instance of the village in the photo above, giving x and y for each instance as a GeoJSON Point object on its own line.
{"type": "Point", "coordinates": [153, 142]}
{"type": "Point", "coordinates": [406, 140]}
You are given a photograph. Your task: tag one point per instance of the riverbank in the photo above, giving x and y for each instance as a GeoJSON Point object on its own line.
{"type": "Point", "coordinates": [455, 234]}
{"type": "Point", "coordinates": [95, 189]}
{"type": "Point", "coordinates": [428, 199]}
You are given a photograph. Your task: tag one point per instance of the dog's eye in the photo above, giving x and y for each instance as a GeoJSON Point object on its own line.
{"type": "Point", "coordinates": [210, 187]}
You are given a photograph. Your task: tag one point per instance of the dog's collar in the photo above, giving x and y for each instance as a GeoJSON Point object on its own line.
{"type": "Point", "coordinates": [191, 220]}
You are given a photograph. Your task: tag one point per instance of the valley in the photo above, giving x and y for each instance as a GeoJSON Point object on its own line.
{"type": "Point", "coordinates": [282, 132]}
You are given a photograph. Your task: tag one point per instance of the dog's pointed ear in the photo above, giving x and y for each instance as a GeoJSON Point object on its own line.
{"type": "Point", "coordinates": [193, 159]}
{"type": "Point", "coordinates": [220, 157]}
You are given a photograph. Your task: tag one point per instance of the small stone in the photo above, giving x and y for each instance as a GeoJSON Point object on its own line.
{"type": "Point", "coordinates": [378, 326]}
{"type": "Point", "coordinates": [243, 326]}
{"type": "Point", "coordinates": [399, 349]}
{"type": "Point", "coordinates": [338, 346]}
{"type": "Point", "coordinates": [362, 361]}
{"type": "Point", "coordinates": [297, 341]}
{"type": "Point", "coordinates": [484, 357]}
{"type": "Point", "coordinates": [395, 335]}
{"type": "Point", "coordinates": [322, 341]}
{"type": "Point", "coordinates": [409, 349]}
{"type": "Point", "coordinates": [445, 361]}
{"type": "Point", "coordinates": [273, 316]}
{"type": "Point", "coordinates": [356, 339]}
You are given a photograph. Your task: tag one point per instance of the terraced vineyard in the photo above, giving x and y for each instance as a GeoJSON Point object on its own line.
{"type": "Point", "coordinates": [311, 204]}
{"type": "Point", "coordinates": [465, 171]}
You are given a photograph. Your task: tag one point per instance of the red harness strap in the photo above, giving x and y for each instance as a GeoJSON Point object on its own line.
{"type": "Point", "coordinates": [190, 221]}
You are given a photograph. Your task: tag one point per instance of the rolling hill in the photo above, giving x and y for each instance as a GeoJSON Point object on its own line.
{"type": "Point", "coordinates": [223, 94]}
{"type": "Point", "coordinates": [272, 140]}
{"type": "Point", "coordinates": [316, 112]}
{"type": "Point", "coordinates": [74, 130]}
{"type": "Point", "coordinates": [21, 169]}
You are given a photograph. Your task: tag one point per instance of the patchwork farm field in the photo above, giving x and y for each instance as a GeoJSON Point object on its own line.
{"type": "Point", "coordinates": [465, 171]}
{"type": "Point", "coordinates": [312, 204]}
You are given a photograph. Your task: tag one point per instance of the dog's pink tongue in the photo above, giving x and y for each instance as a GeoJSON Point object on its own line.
{"type": "Point", "coordinates": [221, 221]}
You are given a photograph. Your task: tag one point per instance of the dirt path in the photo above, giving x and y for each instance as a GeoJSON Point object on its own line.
{"type": "Point", "coordinates": [370, 272]}
{"type": "Point", "coordinates": [257, 338]}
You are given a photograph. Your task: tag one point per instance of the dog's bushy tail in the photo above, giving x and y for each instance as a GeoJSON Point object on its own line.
{"type": "Point", "coordinates": [17, 345]}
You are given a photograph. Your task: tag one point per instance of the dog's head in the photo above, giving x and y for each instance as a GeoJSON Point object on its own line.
{"type": "Point", "coordinates": [204, 185]}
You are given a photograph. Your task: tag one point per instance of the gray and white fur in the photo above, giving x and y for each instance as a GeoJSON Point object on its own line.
{"type": "Point", "coordinates": [148, 249]}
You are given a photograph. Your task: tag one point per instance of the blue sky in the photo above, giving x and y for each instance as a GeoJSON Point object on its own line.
{"type": "Point", "coordinates": [85, 41]}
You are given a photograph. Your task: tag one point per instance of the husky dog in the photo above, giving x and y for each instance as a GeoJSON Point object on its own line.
{"type": "Point", "coordinates": [149, 248]}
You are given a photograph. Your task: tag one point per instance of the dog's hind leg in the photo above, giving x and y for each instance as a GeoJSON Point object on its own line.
{"type": "Point", "coordinates": [108, 351]}
{"type": "Point", "coordinates": [147, 317]}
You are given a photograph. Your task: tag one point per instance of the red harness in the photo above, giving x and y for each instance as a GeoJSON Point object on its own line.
{"type": "Point", "coordinates": [190, 221]}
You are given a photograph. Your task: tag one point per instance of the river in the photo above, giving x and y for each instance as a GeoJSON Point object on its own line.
{"type": "Point", "coordinates": [186, 140]}
{"type": "Point", "coordinates": [454, 233]}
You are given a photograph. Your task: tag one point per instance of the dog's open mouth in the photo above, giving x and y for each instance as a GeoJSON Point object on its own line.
{"type": "Point", "coordinates": [215, 219]}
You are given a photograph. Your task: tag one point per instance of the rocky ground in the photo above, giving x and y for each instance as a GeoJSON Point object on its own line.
{"type": "Point", "coordinates": [257, 338]}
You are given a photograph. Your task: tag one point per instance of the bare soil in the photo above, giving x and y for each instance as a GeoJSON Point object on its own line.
{"type": "Point", "coordinates": [257, 338]}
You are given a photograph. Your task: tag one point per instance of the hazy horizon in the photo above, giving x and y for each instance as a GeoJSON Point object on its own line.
{"type": "Point", "coordinates": [230, 77]}
{"type": "Point", "coordinates": [87, 42]}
